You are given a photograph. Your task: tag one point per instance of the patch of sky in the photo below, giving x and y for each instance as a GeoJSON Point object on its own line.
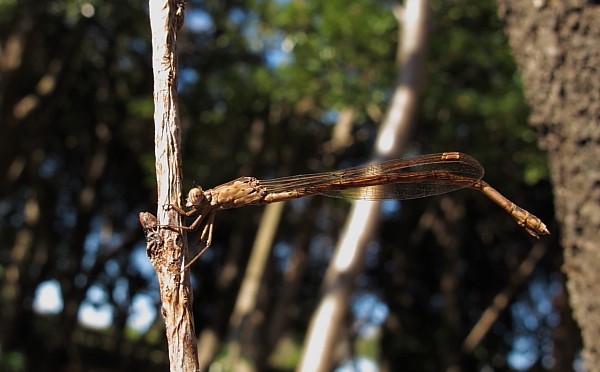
{"type": "Point", "coordinates": [390, 208]}
{"type": "Point", "coordinates": [237, 15]}
{"type": "Point", "coordinates": [358, 364]}
{"type": "Point", "coordinates": [282, 252]}
{"type": "Point", "coordinates": [48, 166]}
{"type": "Point", "coordinates": [579, 364]}
{"type": "Point", "coordinates": [99, 238]}
{"type": "Point", "coordinates": [121, 291]}
{"type": "Point", "coordinates": [299, 205]}
{"type": "Point", "coordinates": [277, 57]}
{"type": "Point", "coordinates": [65, 215]}
{"type": "Point", "coordinates": [371, 257]}
{"type": "Point", "coordinates": [522, 356]}
{"type": "Point", "coordinates": [125, 63]}
{"type": "Point", "coordinates": [188, 76]}
{"type": "Point", "coordinates": [94, 311]}
{"type": "Point", "coordinates": [197, 20]}
{"type": "Point", "coordinates": [330, 116]}
{"type": "Point", "coordinates": [143, 313]}
{"type": "Point", "coordinates": [321, 248]}
{"type": "Point", "coordinates": [138, 44]}
{"type": "Point", "coordinates": [48, 298]}
{"type": "Point", "coordinates": [533, 319]}
{"type": "Point", "coordinates": [369, 311]}
{"type": "Point", "coordinates": [140, 262]}
{"type": "Point", "coordinates": [96, 317]}
{"type": "Point", "coordinates": [274, 45]}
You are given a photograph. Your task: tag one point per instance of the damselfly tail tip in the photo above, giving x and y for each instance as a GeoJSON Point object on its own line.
{"type": "Point", "coordinates": [538, 229]}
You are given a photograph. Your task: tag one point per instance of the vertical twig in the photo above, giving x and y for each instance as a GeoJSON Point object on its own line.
{"type": "Point", "coordinates": [166, 248]}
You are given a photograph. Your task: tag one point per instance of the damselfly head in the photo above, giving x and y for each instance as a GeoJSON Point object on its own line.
{"type": "Point", "coordinates": [195, 197]}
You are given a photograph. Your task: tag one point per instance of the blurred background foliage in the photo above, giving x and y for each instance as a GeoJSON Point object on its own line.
{"type": "Point", "coordinates": [262, 87]}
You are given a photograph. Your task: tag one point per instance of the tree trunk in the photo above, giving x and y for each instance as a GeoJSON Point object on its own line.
{"type": "Point", "coordinates": [556, 45]}
{"type": "Point", "coordinates": [347, 262]}
{"type": "Point", "coordinates": [246, 318]}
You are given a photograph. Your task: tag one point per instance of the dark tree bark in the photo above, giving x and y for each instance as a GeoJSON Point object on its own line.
{"type": "Point", "coordinates": [557, 48]}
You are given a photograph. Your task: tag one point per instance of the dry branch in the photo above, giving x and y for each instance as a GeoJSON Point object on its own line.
{"type": "Point", "coordinates": [166, 247]}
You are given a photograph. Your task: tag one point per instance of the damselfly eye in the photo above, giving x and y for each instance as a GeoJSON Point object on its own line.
{"type": "Point", "coordinates": [195, 197]}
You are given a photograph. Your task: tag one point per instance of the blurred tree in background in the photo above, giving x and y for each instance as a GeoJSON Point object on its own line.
{"type": "Point", "coordinates": [264, 85]}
